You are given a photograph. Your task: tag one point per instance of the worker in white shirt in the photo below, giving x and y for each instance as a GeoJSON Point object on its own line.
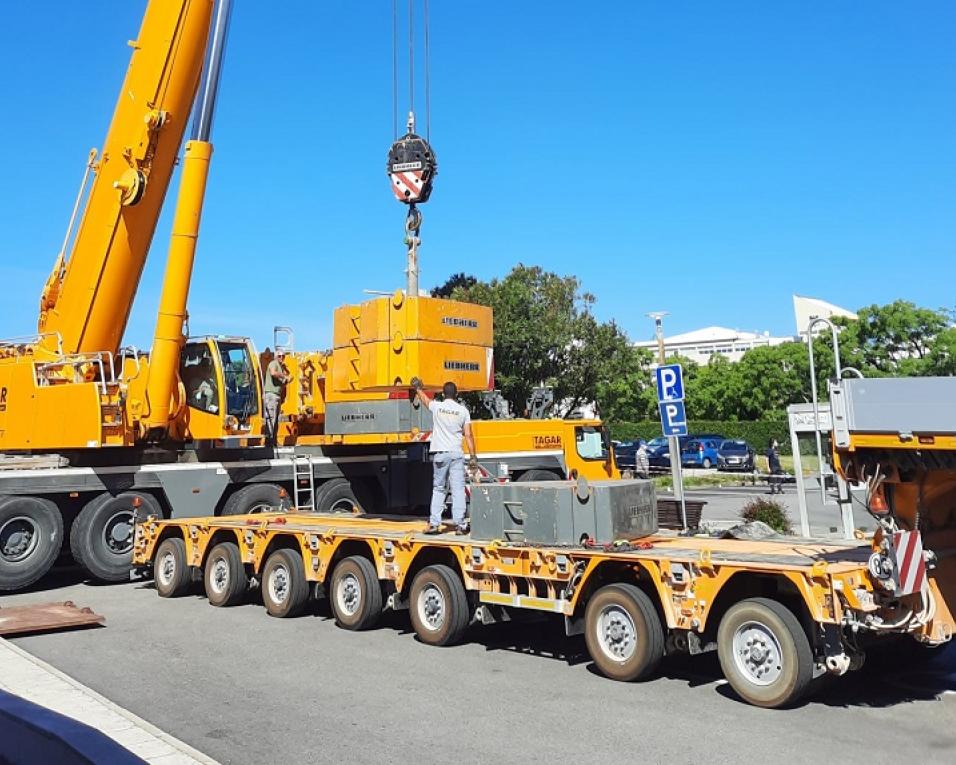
{"type": "Point", "coordinates": [450, 427]}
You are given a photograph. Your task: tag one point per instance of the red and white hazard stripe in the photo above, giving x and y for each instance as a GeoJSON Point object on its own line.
{"type": "Point", "coordinates": [910, 566]}
{"type": "Point", "coordinates": [423, 436]}
{"type": "Point", "coordinates": [407, 185]}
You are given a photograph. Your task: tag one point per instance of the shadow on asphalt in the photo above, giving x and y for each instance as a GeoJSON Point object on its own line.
{"type": "Point", "coordinates": [889, 678]}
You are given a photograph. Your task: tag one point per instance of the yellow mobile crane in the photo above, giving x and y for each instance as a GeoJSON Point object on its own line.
{"type": "Point", "coordinates": [92, 433]}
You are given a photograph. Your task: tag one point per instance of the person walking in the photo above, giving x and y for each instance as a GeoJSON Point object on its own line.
{"type": "Point", "coordinates": [273, 390]}
{"type": "Point", "coordinates": [642, 464]}
{"type": "Point", "coordinates": [451, 425]}
{"type": "Point", "coordinates": [773, 466]}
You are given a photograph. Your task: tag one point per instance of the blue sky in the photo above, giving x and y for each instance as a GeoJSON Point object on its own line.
{"type": "Point", "coordinates": [709, 159]}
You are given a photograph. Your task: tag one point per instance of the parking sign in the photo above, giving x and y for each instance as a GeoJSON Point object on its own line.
{"type": "Point", "coordinates": [670, 383]}
{"type": "Point", "coordinates": [673, 418]}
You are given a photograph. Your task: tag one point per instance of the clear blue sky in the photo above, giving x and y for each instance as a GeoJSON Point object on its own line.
{"type": "Point", "coordinates": [705, 158]}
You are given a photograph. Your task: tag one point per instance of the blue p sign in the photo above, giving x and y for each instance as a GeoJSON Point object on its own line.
{"type": "Point", "coordinates": [673, 418]}
{"type": "Point", "coordinates": [670, 383]}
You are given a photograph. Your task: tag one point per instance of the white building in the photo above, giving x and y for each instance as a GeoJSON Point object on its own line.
{"type": "Point", "coordinates": [701, 344]}
{"type": "Point", "coordinates": [805, 309]}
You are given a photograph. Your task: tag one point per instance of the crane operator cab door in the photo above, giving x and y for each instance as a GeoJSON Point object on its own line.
{"type": "Point", "coordinates": [223, 395]}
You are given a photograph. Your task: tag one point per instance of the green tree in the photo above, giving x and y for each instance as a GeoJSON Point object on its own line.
{"type": "Point", "coordinates": [891, 340]}
{"type": "Point", "coordinates": [460, 280]}
{"type": "Point", "coordinates": [546, 334]}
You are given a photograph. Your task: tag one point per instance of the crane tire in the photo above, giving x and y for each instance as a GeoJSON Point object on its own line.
{"type": "Point", "coordinates": [31, 534]}
{"type": "Point", "coordinates": [536, 474]}
{"type": "Point", "coordinates": [101, 539]}
{"type": "Point", "coordinates": [257, 498]}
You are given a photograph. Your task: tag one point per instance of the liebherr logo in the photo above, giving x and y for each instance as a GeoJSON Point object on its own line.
{"type": "Point", "coordinates": [358, 417]}
{"type": "Point", "coordinates": [3, 399]}
{"type": "Point", "coordinates": [455, 321]}
{"type": "Point", "coordinates": [462, 366]}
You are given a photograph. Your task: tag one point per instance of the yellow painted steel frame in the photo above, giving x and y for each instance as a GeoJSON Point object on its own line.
{"type": "Point", "coordinates": [688, 575]}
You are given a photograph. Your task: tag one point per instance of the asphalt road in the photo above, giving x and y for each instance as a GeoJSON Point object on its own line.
{"type": "Point", "coordinates": [246, 688]}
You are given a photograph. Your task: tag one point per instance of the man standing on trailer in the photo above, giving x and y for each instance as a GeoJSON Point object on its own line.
{"type": "Point", "coordinates": [451, 425]}
{"type": "Point", "coordinates": [276, 378]}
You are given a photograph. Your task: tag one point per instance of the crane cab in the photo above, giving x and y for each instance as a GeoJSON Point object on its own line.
{"type": "Point", "coordinates": [221, 388]}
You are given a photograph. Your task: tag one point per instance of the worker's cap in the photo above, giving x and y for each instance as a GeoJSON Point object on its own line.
{"type": "Point", "coordinates": [280, 353]}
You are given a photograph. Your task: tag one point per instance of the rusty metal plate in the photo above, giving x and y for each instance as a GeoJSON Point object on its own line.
{"type": "Point", "coordinates": [43, 617]}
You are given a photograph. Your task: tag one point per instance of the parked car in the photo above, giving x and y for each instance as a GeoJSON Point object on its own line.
{"type": "Point", "coordinates": [624, 454]}
{"type": "Point", "coordinates": [735, 455]}
{"type": "Point", "coordinates": [657, 454]}
{"type": "Point", "coordinates": [700, 452]}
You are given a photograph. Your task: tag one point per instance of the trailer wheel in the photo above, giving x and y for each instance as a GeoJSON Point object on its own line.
{"type": "Point", "coordinates": [439, 606]}
{"type": "Point", "coordinates": [764, 653]}
{"type": "Point", "coordinates": [170, 572]}
{"type": "Point", "coordinates": [339, 495]}
{"type": "Point", "coordinates": [225, 576]}
{"type": "Point", "coordinates": [356, 594]}
{"type": "Point", "coordinates": [284, 587]}
{"type": "Point", "coordinates": [31, 533]}
{"type": "Point", "coordinates": [101, 539]}
{"type": "Point", "coordinates": [257, 498]}
{"type": "Point", "coordinates": [538, 475]}
{"type": "Point", "coordinates": [623, 632]}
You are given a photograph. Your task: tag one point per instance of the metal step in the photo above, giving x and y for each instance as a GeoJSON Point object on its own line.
{"type": "Point", "coordinates": [303, 483]}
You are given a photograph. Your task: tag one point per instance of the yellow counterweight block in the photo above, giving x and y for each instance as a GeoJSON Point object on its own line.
{"type": "Point", "coordinates": [387, 341]}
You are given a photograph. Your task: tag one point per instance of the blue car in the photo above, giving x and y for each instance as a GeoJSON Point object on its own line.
{"type": "Point", "coordinates": [700, 452]}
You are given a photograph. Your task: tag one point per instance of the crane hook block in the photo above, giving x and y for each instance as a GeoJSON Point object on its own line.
{"type": "Point", "coordinates": [412, 166]}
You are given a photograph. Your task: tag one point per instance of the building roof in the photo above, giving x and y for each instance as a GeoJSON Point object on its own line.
{"type": "Point", "coordinates": [807, 308]}
{"type": "Point", "coordinates": [711, 335]}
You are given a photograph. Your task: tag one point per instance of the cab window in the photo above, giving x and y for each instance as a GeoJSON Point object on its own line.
{"type": "Point", "coordinates": [239, 377]}
{"type": "Point", "coordinates": [591, 443]}
{"type": "Point", "coordinates": [199, 378]}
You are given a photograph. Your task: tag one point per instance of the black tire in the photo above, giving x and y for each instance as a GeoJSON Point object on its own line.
{"type": "Point", "coordinates": [224, 576]}
{"type": "Point", "coordinates": [439, 606]}
{"type": "Point", "coordinates": [623, 632]}
{"type": "Point", "coordinates": [257, 498]}
{"type": "Point", "coordinates": [101, 539]}
{"type": "Point", "coordinates": [355, 594]}
{"type": "Point", "coordinates": [31, 535]}
{"type": "Point", "coordinates": [538, 475]}
{"type": "Point", "coordinates": [171, 575]}
{"type": "Point", "coordinates": [285, 590]}
{"type": "Point", "coordinates": [340, 495]}
{"type": "Point", "coordinates": [782, 653]}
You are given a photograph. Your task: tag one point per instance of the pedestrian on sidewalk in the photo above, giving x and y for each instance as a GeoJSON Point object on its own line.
{"type": "Point", "coordinates": [773, 466]}
{"type": "Point", "coordinates": [642, 464]}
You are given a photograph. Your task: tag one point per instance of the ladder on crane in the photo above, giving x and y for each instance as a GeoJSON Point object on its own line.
{"type": "Point", "coordinates": [303, 483]}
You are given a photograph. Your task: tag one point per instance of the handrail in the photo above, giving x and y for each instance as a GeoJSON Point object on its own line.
{"type": "Point", "coordinates": [813, 389]}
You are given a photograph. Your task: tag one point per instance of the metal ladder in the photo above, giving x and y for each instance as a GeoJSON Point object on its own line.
{"type": "Point", "coordinates": [303, 483]}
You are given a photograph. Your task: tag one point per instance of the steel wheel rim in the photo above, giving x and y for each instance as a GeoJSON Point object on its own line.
{"type": "Point", "coordinates": [348, 594]}
{"type": "Point", "coordinates": [431, 607]}
{"type": "Point", "coordinates": [279, 583]}
{"type": "Point", "coordinates": [219, 576]}
{"type": "Point", "coordinates": [616, 633]}
{"type": "Point", "coordinates": [757, 653]}
{"type": "Point", "coordinates": [260, 507]}
{"type": "Point", "coordinates": [19, 537]}
{"type": "Point", "coordinates": [118, 532]}
{"type": "Point", "coordinates": [166, 569]}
